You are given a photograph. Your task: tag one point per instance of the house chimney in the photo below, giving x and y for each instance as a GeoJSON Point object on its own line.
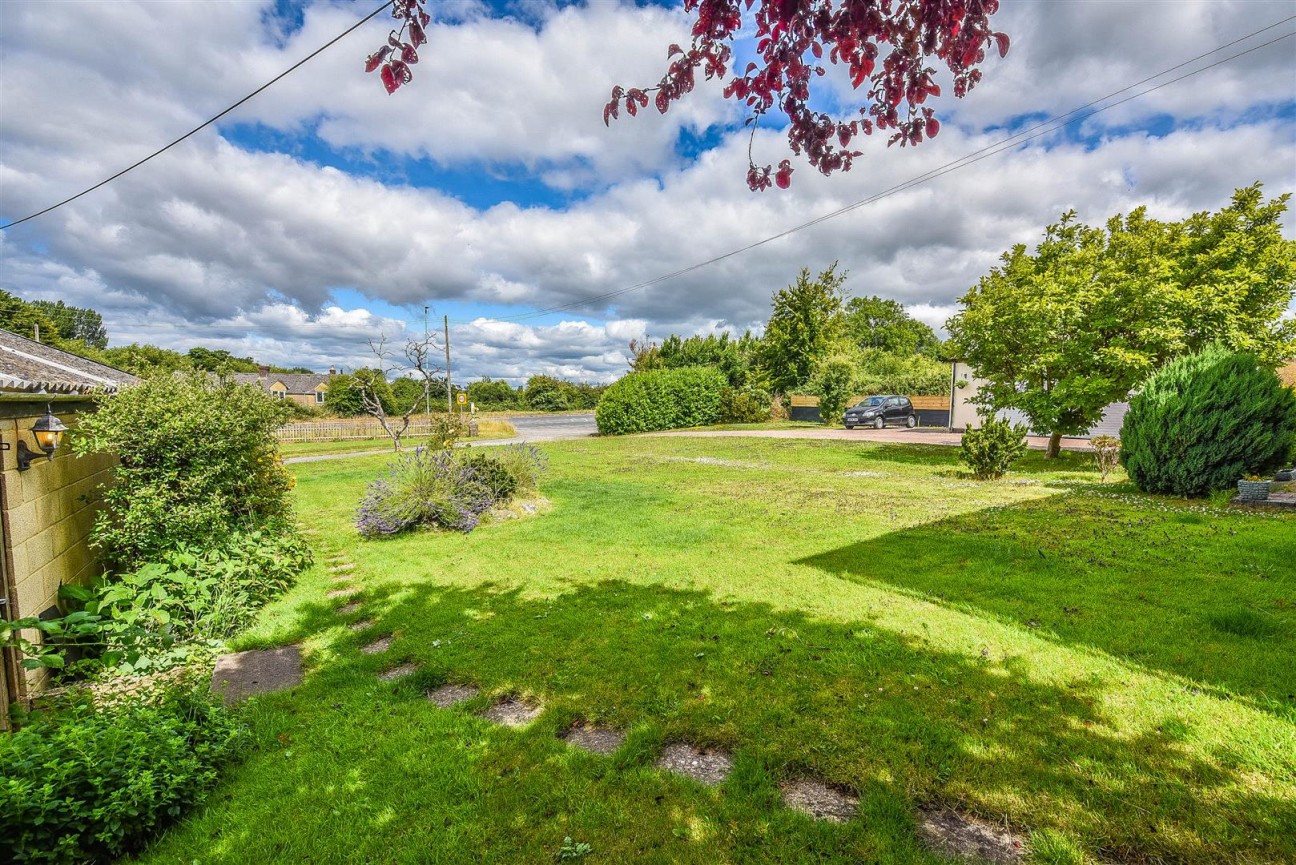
{"type": "Point", "coordinates": [263, 371]}
{"type": "Point", "coordinates": [332, 370]}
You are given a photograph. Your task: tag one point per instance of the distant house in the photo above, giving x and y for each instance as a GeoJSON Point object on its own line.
{"type": "Point", "coordinates": [302, 388]}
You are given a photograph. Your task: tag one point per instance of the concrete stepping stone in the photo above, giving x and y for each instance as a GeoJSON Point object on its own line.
{"type": "Point", "coordinates": [381, 644]}
{"type": "Point", "coordinates": [398, 672]}
{"type": "Point", "coordinates": [260, 671]}
{"type": "Point", "coordinates": [350, 608]}
{"type": "Point", "coordinates": [451, 695]}
{"type": "Point", "coordinates": [343, 593]}
{"type": "Point", "coordinates": [969, 839]}
{"type": "Point", "coordinates": [340, 567]}
{"type": "Point", "coordinates": [512, 712]}
{"type": "Point", "coordinates": [340, 579]}
{"type": "Point", "coordinates": [361, 625]}
{"type": "Point", "coordinates": [708, 766]}
{"type": "Point", "coordinates": [818, 800]}
{"type": "Point", "coordinates": [596, 740]}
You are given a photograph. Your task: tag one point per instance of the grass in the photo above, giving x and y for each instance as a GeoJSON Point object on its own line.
{"type": "Point", "coordinates": [488, 429]}
{"type": "Point", "coordinates": [1104, 671]}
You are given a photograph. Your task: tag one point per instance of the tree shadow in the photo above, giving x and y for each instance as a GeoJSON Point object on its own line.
{"type": "Point", "coordinates": [354, 769]}
{"type": "Point", "coordinates": [1169, 588]}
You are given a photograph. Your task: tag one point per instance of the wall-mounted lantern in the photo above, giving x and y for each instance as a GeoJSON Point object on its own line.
{"type": "Point", "coordinates": [48, 432]}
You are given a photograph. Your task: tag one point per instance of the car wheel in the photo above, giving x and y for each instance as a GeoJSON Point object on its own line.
{"type": "Point", "coordinates": [911, 421]}
{"type": "Point", "coordinates": [879, 423]}
{"type": "Point", "coordinates": [850, 426]}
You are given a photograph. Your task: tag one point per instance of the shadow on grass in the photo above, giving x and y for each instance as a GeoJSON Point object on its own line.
{"type": "Point", "coordinates": [1212, 599]}
{"type": "Point", "coordinates": [353, 769]}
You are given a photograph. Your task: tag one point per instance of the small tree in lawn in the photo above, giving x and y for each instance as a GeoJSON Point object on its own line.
{"type": "Point", "coordinates": [417, 360]}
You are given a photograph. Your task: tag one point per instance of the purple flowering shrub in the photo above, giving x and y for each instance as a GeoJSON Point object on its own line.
{"type": "Point", "coordinates": [444, 489]}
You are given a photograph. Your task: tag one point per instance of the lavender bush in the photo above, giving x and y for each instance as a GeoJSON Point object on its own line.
{"type": "Point", "coordinates": [438, 487]}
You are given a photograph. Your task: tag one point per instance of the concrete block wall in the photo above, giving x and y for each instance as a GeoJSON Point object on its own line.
{"type": "Point", "coordinates": [47, 514]}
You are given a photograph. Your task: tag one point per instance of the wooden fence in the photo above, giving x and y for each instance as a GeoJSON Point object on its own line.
{"type": "Point", "coordinates": [928, 403]}
{"type": "Point", "coordinates": [351, 429]}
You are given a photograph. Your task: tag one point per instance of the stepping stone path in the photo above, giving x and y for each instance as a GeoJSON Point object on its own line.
{"type": "Point", "coordinates": [361, 625]}
{"type": "Point", "coordinates": [350, 608]}
{"type": "Point", "coordinates": [339, 568]}
{"type": "Point", "coordinates": [260, 671]}
{"type": "Point", "coordinates": [451, 695]}
{"type": "Point", "coordinates": [818, 800]}
{"type": "Point", "coordinates": [596, 740]}
{"type": "Point", "coordinates": [512, 712]}
{"type": "Point", "coordinates": [398, 672]}
{"type": "Point", "coordinates": [969, 839]}
{"type": "Point", "coordinates": [381, 644]}
{"type": "Point", "coordinates": [708, 766]}
{"type": "Point", "coordinates": [343, 593]}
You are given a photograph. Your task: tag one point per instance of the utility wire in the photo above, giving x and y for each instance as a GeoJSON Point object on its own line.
{"type": "Point", "coordinates": [1053, 124]}
{"type": "Point", "coordinates": [206, 123]}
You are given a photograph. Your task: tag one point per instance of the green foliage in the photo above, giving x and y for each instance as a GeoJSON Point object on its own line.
{"type": "Point", "coordinates": [92, 783]}
{"type": "Point", "coordinates": [990, 450]}
{"type": "Point", "coordinates": [1204, 421]}
{"type": "Point", "coordinates": [744, 405]}
{"type": "Point", "coordinates": [408, 393]}
{"type": "Point", "coordinates": [490, 395]}
{"type": "Point", "coordinates": [1063, 332]}
{"type": "Point", "coordinates": [880, 323]}
{"type": "Point", "coordinates": [662, 399]}
{"type": "Point", "coordinates": [834, 385]}
{"type": "Point", "coordinates": [199, 460]}
{"type": "Point", "coordinates": [344, 396]}
{"type": "Point", "coordinates": [74, 322]}
{"type": "Point", "coordinates": [524, 463]}
{"type": "Point", "coordinates": [722, 352]}
{"type": "Point", "coordinates": [804, 323]}
{"type": "Point", "coordinates": [145, 360]}
{"type": "Point", "coordinates": [25, 319]}
{"type": "Point", "coordinates": [546, 393]}
{"type": "Point", "coordinates": [220, 360]}
{"type": "Point", "coordinates": [878, 371]}
{"type": "Point", "coordinates": [494, 477]}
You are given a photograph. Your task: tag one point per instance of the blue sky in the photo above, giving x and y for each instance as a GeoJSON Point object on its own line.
{"type": "Point", "coordinates": [325, 211]}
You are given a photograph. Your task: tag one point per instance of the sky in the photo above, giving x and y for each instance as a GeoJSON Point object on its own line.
{"type": "Point", "coordinates": [325, 212]}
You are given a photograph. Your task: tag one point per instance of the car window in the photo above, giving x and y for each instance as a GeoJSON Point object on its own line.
{"type": "Point", "coordinates": [873, 400]}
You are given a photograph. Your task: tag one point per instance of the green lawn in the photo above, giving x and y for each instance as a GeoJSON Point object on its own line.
{"type": "Point", "coordinates": [1103, 671]}
{"type": "Point", "coordinates": [489, 429]}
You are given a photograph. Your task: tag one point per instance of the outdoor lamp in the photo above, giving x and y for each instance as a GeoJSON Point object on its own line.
{"type": "Point", "coordinates": [48, 431]}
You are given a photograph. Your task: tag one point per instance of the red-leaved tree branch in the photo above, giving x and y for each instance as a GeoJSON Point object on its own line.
{"type": "Point", "coordinates": [884, 44]}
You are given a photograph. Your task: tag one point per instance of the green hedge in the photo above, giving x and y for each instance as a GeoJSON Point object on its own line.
{"type": "Point", "coordinates": [662, 399]}
{"type": "Point", "coordinates": [1204, 421]}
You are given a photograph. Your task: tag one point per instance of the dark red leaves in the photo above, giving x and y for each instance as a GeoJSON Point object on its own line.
{"type": "Point", "coordinates": [886, 47]}
{"type": "Point", "coordinates": [396, 73]}
{"type": "Point", "coordinates": [375, 59]}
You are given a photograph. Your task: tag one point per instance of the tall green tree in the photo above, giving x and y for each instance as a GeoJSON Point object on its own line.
{"type": "Point", "coordinates": [1061, 332]}
{"type": "Point", "coordinates": [26, 319]}
{"type": "Point", "coordinates": [75, 322]}
{"type": "Point", "coordinates": [878, 322]}
{"type": "Point", "coordinates": [805, 321]}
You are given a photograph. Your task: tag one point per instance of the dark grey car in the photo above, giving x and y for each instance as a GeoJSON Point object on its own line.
{"type": "Point", "coordinates": [878, 411]}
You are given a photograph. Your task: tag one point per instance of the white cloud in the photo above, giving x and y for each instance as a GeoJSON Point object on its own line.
{"type": "Point", "coordinates": [210, 238]}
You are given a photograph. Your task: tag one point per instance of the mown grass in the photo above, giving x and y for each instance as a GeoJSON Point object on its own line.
{"type": "Point", "coordinates": [1103, 670]}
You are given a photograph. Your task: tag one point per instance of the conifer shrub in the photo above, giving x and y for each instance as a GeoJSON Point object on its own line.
{"type": "Point", "coordinates": [1204, 421]}
{"type": "Point", "coordinates": [662, 399]}
{"type": "Point", "coordinates": [990, 450]}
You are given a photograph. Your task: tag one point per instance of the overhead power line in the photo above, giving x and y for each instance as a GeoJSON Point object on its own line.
{"type": "Point", "coordinates": [205, 123]}
{"type": "Point", "coordinates": [1053, 124]}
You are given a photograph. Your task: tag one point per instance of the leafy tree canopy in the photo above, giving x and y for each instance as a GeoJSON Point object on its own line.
{"type": "Point", "coordinates": [805, 321]}
{"type": "Point", "coordinates": [877, 322]}
{"type": "Point", "coordinates": [75, 322]}
{"type": "Point", "coordinates": [1061, 332]}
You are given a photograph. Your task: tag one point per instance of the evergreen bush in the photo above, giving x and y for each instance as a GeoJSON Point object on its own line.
{"type": "Point", "coordinates": [662, 399]}
{"type": "Point", "coordinates": [1204, 421]}
{"type": "Point", "coordinates": [992, 449]}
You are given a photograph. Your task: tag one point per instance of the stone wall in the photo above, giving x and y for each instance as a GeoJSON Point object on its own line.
{"type": "Point", "coordinates": [48, 512]}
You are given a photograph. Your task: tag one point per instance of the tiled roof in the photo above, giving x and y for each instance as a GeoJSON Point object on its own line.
{"type": "Point", "coordinates": [27, 366]}
{"type": "Point", "coordinates": [295, 382]}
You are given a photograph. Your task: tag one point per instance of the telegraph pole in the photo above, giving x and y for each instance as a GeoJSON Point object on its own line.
{"type": "Point", "coordinates": [449, 390]}
{"type": "Point", "coordinates": [427, 391]}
